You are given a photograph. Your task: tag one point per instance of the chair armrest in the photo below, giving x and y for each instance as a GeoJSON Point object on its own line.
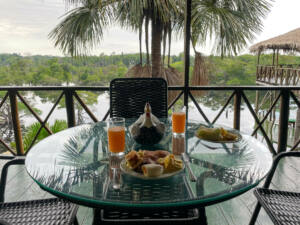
{"type": "Point", "coordinates": [16, 161]}
{"type": "Point", "coordinates": [7, 157]}
{"type": "Point", "coordinates": [275, 164]}
{"type": "Point", "coordinates": [3, 222]}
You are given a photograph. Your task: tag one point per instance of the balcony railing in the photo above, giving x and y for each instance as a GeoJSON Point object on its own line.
{"type": "Point", "coordinates": [278, 75]}
{"type": "Point", "coordinates": [236, 94]}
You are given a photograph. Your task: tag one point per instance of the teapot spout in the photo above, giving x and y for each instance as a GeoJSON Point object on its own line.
{"type": "Point", "coordinates": [147, 108]}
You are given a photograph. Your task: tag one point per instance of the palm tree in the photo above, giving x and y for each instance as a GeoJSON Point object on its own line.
{"type": "Point", "coordinates": [231, 23]}
{"type": "Point", "coordinates": [31, 131]}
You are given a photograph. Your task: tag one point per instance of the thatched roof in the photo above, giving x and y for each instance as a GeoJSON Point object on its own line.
{"type": "Point", "coordinates": [289, 41]}
{"type": "Point", "coordinates": [171, 75]}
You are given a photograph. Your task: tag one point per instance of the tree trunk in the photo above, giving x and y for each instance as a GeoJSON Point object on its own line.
{"type": "Point", "coordinates": [147, 39]}
{"type": "Point", "coordinates": [164, 46]}
{"type": "Point", "coordinates": [169, 35]}
{"type": "Point", "coordinates": [140, 42]}
{"type": "Point", "coordinates": [156, 47]}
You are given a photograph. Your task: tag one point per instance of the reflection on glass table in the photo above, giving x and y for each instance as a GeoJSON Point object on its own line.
{"type": "Point", "coordinates": [73, 164]}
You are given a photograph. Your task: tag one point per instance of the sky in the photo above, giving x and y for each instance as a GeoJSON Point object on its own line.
{"type": "Point", "coordinates": [25, 25]}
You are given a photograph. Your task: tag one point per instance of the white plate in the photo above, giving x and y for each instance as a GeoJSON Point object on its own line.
{"type": "Point", "coordinates": [125, 169]}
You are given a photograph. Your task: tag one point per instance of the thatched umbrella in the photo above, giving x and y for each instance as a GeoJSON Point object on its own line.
{"type": "Point", "coordinates": [200, 73]}
{"type": "Point", "coordinates": [170, 74]}
{"type": "Point", "coordinates": [288, 42]}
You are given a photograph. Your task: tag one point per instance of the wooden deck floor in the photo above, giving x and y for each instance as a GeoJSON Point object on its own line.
{"type": "Point", "coordinates": [233, 212]}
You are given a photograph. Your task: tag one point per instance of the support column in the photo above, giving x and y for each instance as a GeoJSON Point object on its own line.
{"type": "Point", "coordinates": [283, 120]}
{"type": "Point", "coordinates": [16, 122]}
{"type": "Point", "coordinates": [297, 127]}
{"type": "Point", "coordinates": [70, 107]}
{"type": "Point", "coordinates": [256, 107]}
{"type": "Point", "coordinates": [237, 110]}
{"type": "Point", "coordinates": [187, 38]}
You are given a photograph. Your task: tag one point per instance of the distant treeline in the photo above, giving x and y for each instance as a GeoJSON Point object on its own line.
{"type": "Point", "coordinates": [99, 70]}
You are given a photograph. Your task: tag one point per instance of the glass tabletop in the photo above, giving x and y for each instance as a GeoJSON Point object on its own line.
{"type": "Point", "coordinates": [73, 164]}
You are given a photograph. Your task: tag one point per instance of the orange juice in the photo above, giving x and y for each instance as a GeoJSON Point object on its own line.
{"type": "Point", "coordinates": [116, 139]}
{"type": "Point", "coordinates": [178, 122]}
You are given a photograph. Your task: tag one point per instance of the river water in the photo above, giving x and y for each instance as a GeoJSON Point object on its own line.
{"type": "Point", "coordinates": [100, 108]}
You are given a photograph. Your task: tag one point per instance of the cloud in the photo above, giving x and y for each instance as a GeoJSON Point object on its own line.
{"type": "Point", "coordinates": [8, 29]}
{"type": "Point", "coordinates": [25, 25]}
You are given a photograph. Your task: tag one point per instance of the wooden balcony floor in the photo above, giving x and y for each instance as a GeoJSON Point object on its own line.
{"type": "Point", "coordinates": [233, 212]}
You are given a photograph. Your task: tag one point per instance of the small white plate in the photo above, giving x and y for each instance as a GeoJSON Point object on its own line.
{"type": "Point", "coordinates": [125, 169]}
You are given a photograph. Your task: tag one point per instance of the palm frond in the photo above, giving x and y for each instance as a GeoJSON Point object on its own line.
{"type": "Point", "coordinates": [82, 28]}
{"type": "Point", "coordinates": [230, 24]}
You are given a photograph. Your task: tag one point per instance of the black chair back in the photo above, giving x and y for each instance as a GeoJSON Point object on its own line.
{"type": "Point", "coordinates": [128, 97]}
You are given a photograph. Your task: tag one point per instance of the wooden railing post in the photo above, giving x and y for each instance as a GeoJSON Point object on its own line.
{"type": "Point", "coordinates": [70, 107]}
{"type": "Point", "coordinates": [237, 110]}
{"type": "Point", "coordinates": [16, 121]}
{"type": "Point", "coordinates": [187, 40]}
{"type": "Point", "coordinates": [283, 120]}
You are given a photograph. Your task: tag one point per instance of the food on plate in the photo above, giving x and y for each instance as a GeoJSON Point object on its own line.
{"type": "Point", "coordinates": [152, 163]}
{"type": "Point", "coordinates": [134, 159]}
{"type": "Point", "coordinates": [170, 163]}
{"type": "Point", "coordinates": [152, 170]}
{"type": "Point", "coordinates": [228, 136]}
{"type": "Point", "coordinates": [153, 156]}
{"type": "Point", "coordinates": [215, 134]}
{"type": "Point", "coordinates": [211, 134]}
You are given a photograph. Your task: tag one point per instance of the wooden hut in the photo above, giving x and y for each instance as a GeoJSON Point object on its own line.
{"type": "Point", "coordinates": [275, 73]}
{"type": "Point", "coordinates": [279, 74]}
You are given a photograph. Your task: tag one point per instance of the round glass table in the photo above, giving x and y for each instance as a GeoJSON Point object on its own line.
{"type": "Point", "coordinates": [73, 164]}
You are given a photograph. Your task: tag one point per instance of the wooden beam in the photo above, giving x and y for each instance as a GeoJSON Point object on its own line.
{"type": "Point", "coordinates": [16, 121]}
{"type": "Point", "coordinates": [283, 120]}
{"type": "Point", "coordinates": [237, 110]}
{"type": "Point", "coordinates": [187, 38]}
{"type": "Point", "coordinates": [277, 57]}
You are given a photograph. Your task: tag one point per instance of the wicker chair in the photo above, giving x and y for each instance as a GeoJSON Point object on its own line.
{"type": "Point", "coordinates": [34, 212]}
{"type": "Point", "coordinates": [282, 207]}
{"type": "Point", "coordinates": [129, 95]}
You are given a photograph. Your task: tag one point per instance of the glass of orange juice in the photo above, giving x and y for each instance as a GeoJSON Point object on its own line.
{"type": "Point", "coordinates": [116, 136]}
{"type": "Point", "coordinates": [116, 147]}
{"type": "Point", "coordinates": [178, 121]}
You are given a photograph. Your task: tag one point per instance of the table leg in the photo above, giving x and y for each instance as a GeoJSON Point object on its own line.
{"type": "Point", "coordinates": [97, 216]}
{"type": "Point", "coordinates": [202, 216]}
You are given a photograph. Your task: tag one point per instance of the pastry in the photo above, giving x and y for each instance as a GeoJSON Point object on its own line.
{"type": "Point", "coordinates": [215, 134]}
{"type": "Point", "coordinates": [171, 164]}
{"type": "Point", "coordinates": [211, 134]}
{"type": "Point", "coordinates": [134, 159]}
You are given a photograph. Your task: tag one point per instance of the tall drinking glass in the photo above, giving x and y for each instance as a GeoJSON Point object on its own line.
{"type": "Point", "coordinates": [116, 136]}
{"type": "Point", "coordinates": [178, 121]}
{"type": "Point", "coordinates": [116, 147]}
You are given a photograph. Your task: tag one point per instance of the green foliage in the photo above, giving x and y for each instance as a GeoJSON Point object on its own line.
{"type": "Point", "coordinates": [239, 70]}
{"type": "Point", "coordinates": [31, 131]}
{"type": "Point", "coordinates": [100, 70]}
